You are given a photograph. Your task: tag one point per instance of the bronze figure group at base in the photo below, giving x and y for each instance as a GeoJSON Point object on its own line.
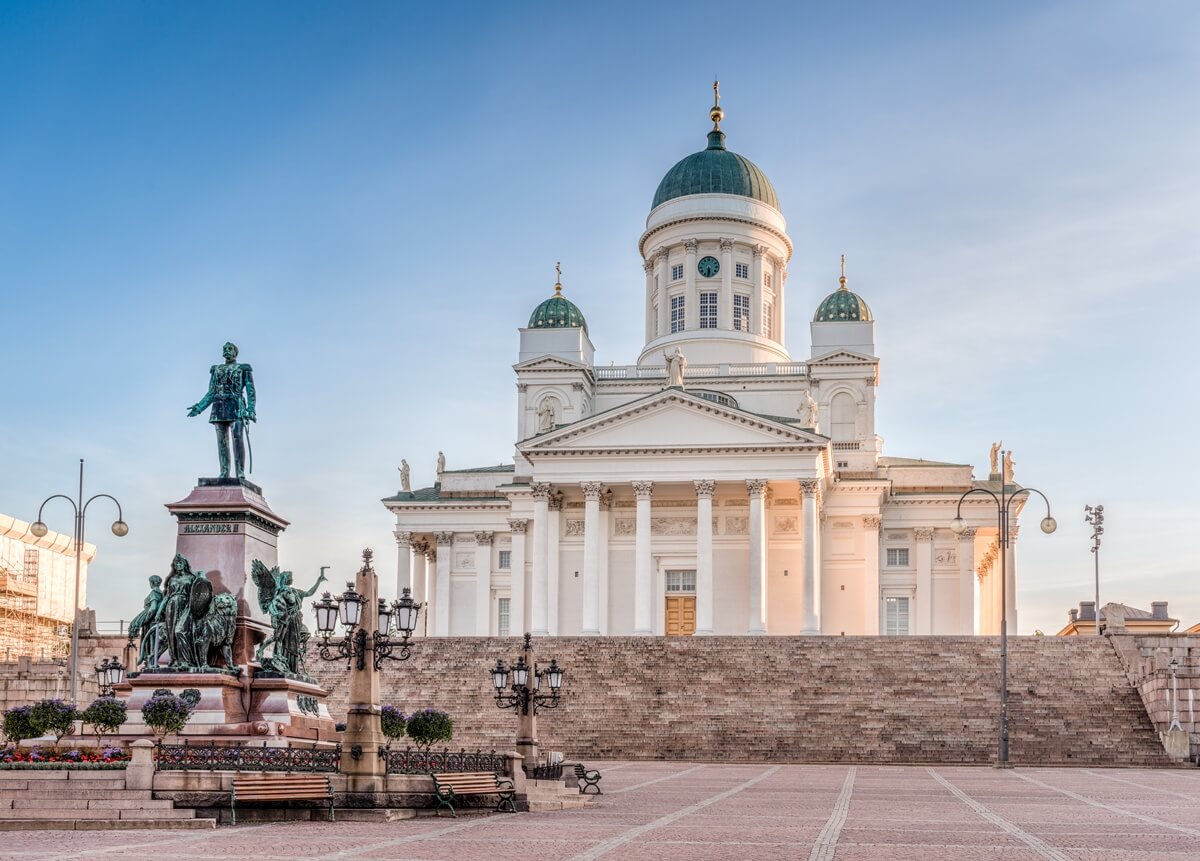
{"type": "Point", "coordinates": [183, 620]}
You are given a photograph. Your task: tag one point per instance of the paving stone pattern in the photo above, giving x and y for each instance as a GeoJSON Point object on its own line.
{"type": "Point", "coordinates": [793, 699]}
{"type": "Point", "coordinates": [658, 811]}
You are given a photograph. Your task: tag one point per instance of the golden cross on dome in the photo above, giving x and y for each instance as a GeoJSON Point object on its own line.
{"type": "Point", "coordinates": [842, 280]}
{"type": "Point", "coordinates": [558, 278]}
{"type": "Point", "coordinates": [716, 94]}
{"type": "Point", "coordinates": [716, 113]}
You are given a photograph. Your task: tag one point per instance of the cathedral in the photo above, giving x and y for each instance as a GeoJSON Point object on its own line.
{"type": "Point", "coordinates": [719, 485]}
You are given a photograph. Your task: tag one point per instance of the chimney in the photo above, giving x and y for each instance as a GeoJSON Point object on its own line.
{"type": "Point", "coordinates": [1158, 609]}
{"type": "Point", "coordinates": [1074, 614]}
{"type": "Point", "coordinates": [1087, 611]}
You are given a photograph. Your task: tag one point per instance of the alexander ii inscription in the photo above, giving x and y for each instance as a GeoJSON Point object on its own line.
{"type": "Point", "coordinates": [208, 529]}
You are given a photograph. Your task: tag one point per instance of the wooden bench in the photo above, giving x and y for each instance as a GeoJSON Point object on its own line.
{"type": "Point", "coordinates": [280, 787]}
{"type": "Point", "coordinates": [587, 778]}
{"type": "Point", "coordinates": [450, 787]}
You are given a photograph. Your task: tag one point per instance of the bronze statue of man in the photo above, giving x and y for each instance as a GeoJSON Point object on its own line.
{"type": "Point", "coordinates": [231, 396]}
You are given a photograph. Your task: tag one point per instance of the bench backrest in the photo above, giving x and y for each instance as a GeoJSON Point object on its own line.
{"type": "Point", "coordinates": [580, 771]}
{"type": "Point", "coordinates": [282, 786]}
{"type": "Point", "coordinates": [473, 781]}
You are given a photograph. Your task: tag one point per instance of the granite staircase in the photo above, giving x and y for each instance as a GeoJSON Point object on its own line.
{"type": "Point", "coordinates": [795, 699]}
{"type": "Point", "coordinates": [65, 800]}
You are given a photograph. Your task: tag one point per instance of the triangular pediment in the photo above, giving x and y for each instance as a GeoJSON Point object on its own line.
{"type": "Point", "coordinates": [549, 363]}
{"type": "Point", "coordinates": [672, 420]}
{"type": "Point", "coordinates": [843, 357]}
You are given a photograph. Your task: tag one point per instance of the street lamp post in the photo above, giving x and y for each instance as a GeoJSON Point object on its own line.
{"type": "Point", "coordinates": [1174, 665]}
{"type": "Point", "coordinates": [109, 672]}
{"type": "Point", "coordinates": [360, 609]}
{"type": "Point", "coordinates": [526, 696]}
{"type": "Point", "coordinates": [1094, 517]}
{"type": "Point", "coordinates": [39, 530]}
{"type": "Point", "coordinates": [958, 525]}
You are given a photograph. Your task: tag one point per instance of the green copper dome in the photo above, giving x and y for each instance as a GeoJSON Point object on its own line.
{"type": "Point", "coordinates": [557, 312]}
{"type": "Point", "coordinates": [842, 306]}
{"type": "Point", "coordinates": [716, 170]}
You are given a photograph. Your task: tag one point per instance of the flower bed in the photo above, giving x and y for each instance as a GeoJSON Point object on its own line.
{"type": "Point", "coordinates": [15, 758]}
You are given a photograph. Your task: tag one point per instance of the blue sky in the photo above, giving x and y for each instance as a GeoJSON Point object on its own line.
{"type": "Point", "coordinates": [369, 199]}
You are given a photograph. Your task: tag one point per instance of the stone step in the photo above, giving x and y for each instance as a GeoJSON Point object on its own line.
{"type": "Point", "coordinates": [92, 804]}
{"type": "Point", "coordinates": [158, 813]}
{"type": "Point", "coordinates": [71, 792]}
{"type": "Point", "coordinates": [103, 824]}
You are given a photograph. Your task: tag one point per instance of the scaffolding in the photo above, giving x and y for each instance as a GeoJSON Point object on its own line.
{"type": "Point", "coordinates": [23, 630]}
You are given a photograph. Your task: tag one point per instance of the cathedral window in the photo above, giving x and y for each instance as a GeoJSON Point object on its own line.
{"type": "Point", "coordinates": [708, 310]}
{"type": "Point", "coordinates": [505, 560]}
{"type": "Point", "coordinates": [742, 270]}
{"type": "Point", "coordinates": [677, 272]}
{"type": "Point", "coordinates": [677, 309]}
{"type": "Point", "coordinates": [896, 616]}
{"type": "Point", "coordinates": [741, 312]}
{"type": "Point", "coordinates": [681, 581]}
{"type": "Point", "coordinates": [766, 279]}
{"type": "Point", "coordinates": [841, 414]}
{"type": "Point", "coordinates": [502, 616]}
{"type": "Point", "coordinates": [768, 320]}
{"type": "Point", "coordinates": [897, 557]}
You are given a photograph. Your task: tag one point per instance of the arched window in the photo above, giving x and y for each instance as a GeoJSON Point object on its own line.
{"type": "Point", "coordinates": [841, 417]}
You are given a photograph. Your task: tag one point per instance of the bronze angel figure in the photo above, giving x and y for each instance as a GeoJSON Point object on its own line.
{"type": "Point", "coordinates": [283, 602]}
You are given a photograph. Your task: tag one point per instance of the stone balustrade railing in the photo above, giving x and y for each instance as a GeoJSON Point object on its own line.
{"type": "Point", "coordinates": [768, 369]}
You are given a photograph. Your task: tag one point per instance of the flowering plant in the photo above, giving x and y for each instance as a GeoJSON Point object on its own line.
{"type": "Point", "coordinates": [166, 713]}
{"type": "Point", "coordinates": [393, 722]}
{"type": "Point", "coordinates": [429, 726]}
{"type": "Point", "coordinates": [37, 755]}
{"type": "Point", "coordinates": [54, 717]}
{"type": "Point", "coordinates": [105, 715]}
{"type": "Point", "coordinates": [18, 724]}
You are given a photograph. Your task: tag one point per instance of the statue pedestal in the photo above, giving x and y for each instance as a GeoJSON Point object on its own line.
{"type": "Point", "coordinates": [258, 708]}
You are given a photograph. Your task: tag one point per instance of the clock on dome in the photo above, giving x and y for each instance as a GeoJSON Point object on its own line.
{"type": "Point", "coordinates": [708, 267]}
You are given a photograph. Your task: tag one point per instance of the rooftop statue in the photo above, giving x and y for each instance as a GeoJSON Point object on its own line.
{"type": "Point", "coordinates": [441, 463]}
{"type": "Point", "coordinates": [231, 396]}
{"type": "Point", "coordinates": [994, 457]}
{"type": "Point", "coordinates": [405, 477]}
{"type": "Point", "coordinates": [284, 603]}
{"type": "Point", "coordinates": [1009, 463]}
{"type": "Point", "coordinates": [676, 367]}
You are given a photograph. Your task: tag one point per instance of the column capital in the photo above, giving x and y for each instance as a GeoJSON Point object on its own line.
{"type": "Point", "coordinates": [810, 486]}
{"type": "Point", "coordinates": [648, 266]}
{"type": "Point", "coordinates": [923, 534]}
{"type": "Point", "coordinates": [690, 245]}
{"type": "Point", "coordinates": [643, 489]}
{"type": "Point", "coordinates": [522, 386]}
{"type": "Point", "coordinates": [403, 539]}
{"type": "Point", "coordinates": [556, 501]}
{"type": "Point", "coordinates": [420, 546]}
{"type": "Point", "coordinates": [484, 537]}
{"type": "Point", "coordinates": [540, 489]}
{"type": "Point", "coordinates": [661, 253]}
{"type": "Point", "coordinates": [756, 487]}
{"type": "Point", "coordinates": [759, 251]}
{"type": "Point", "coordinates": [518, 525]}
{"type": "Point", "coordinates": [726, 244]}
{"type": "Point", "coordinates": [606, 500]}
{"type": "Point", "coordinates": [705, 488]}
{"type": "Point", "coordinates": [443, 538]}
{"type": "Point", "coordinates": [591, 490]}
{"type": "Point", "coordinates": [1013, 532]}
{"type": "Point", "coordinates": [967, 534]}
{"type": "Point", "coordinates": [872, 521]}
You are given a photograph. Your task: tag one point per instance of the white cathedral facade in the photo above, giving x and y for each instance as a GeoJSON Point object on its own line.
{"type": "Point", "coordinates": [719, 486]}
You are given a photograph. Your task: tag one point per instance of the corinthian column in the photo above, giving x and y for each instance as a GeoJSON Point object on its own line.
{"type": "Point", "coordinates": [725, 317]}
{"type": "Point", "coordinates": [966, 581]}
{"type": "Point", "coordinates": [553, 560]}
{"type": "Point", "coordinates": [539, 599]}
{"type": "Point", "coordinates": [758, 557]}
{"type": "Point", "coordinates": [704, 556]}
{"type": "Point", "coordinates": [871, 596]}
{"type": "Point", "coordinates": [441, 601]}
{"type": "Point", "coordinates": [403, 561]}
{"type": "Point", "coordinates": [1010, 580]}
{"type": "Point", "coordinates": [483, 584]}
{"type": "Point", "coordinates": [591, 557]}
{"type": "Point", "coordinates": [516, 566]}
{"type": "Point", "coordinates": [924, 580]}
{"type": "Point", "coordinates": [643, 590]}
{"type": "Point", "coordinates": [662, 273]}
{"type": "Point", "coordinates": [691, 310]}
{"type": "Point", "coordinates": [812, 562]}
{"type": "Point", "coordinates": [651, 321]}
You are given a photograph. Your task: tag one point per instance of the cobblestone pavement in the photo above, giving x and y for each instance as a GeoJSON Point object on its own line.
{"type": "Point", "coordinates": [667, 811]}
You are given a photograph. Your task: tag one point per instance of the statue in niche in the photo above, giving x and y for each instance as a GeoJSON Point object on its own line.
{"type": "Point", "coordinates": [284, 603]}
{"type": "Point", "coordinates": [405, 478]}
{"type": "Point", "coordinates": [1009, 463]}
{"type": "Point", "coordinates": [809, 412]}
{"type": "Point", "coordinates": [231, 396]}
{"type": "Point", "coordinates": [195, 623]}
{"type": "Point", "coordinates": [546, 415]}
{"type": "Point", "coordinates": [994, 457]}
{"type": "Point", "coordinates": [441, 463]}
{"type": "Point", "coordinates": [147, 626]}
{"type": "Point", "coordinates": [676, 366]}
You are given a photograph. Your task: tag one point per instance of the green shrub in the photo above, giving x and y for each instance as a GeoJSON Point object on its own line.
{"type": "Point", "coordinates": [18, 724]}
{"type": "Point", "coordinates": [105, 715]}
{"type": "Point", "coordinates": [166, 713]}
{"type": "Point", "coordinates": [54, 717]}
{"type": "Point", "coordinates": [429, 726]}
{"type": "Point", "coordinates": [393, 722]}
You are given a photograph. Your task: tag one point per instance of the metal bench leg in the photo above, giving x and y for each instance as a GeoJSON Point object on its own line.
{"type": "Point", "coordinates": [233, 805]}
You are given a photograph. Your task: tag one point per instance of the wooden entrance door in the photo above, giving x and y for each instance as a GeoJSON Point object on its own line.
{"type": "Point", "coordinates": [681, 615]}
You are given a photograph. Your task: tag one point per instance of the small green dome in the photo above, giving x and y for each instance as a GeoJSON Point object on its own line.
{"type": "Point", "coordinates": [842, 306]}
{"type": "Point", "coordinates": [557, 312]}
{"type": "Point", "coordinates": [716, 170]}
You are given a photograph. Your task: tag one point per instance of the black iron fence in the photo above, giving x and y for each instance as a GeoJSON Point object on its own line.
{"type": "Point", "coordinates": [544, 772]}
{"type": "Point", "coordinates": [192, 756]}
{"type": "Point", "coordinates": [409, 761]}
